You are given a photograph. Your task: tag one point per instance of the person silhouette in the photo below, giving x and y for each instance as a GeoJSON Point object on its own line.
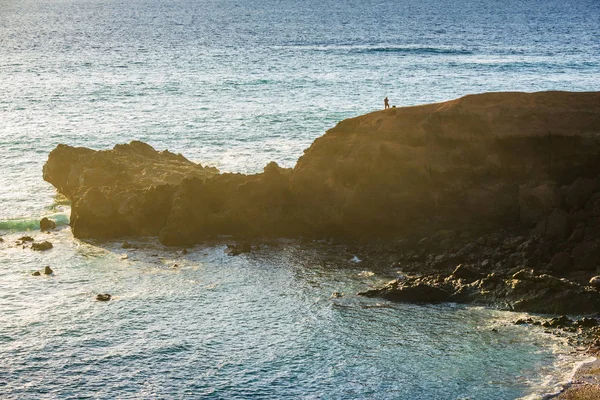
{"type": "Point", "coordinates": [386, 103]}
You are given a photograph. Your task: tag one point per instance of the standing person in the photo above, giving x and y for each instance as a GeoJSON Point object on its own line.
{"type": "Point", "coordinates": [386, 103]}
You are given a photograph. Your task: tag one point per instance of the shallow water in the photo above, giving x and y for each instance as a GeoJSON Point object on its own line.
{"type": "Point", "coordinates": [260, 325]}
{"type": "Point", "coordinates": [235, 85]}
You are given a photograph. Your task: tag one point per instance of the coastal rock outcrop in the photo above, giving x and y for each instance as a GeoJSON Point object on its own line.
{"type": "Point", "coordinates": [478, 162]}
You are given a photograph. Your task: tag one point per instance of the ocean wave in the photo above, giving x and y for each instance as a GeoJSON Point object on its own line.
{"type": "Point", "coordinates": [28, 224]}
{"type": "Point", "coordinates": [414, 50]}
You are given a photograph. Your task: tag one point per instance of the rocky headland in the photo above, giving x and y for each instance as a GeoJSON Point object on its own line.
{"type": "Point", "coordinates": [491, 198]}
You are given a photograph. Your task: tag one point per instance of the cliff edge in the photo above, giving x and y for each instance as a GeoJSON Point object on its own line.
{"type": "Point", "coordinates": [479, 162]}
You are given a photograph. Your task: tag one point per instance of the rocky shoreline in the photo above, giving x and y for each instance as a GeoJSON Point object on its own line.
{"type": "Point", "coordinates": [489, 199]}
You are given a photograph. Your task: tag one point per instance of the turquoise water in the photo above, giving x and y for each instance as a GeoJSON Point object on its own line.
{"type": "Point", "coordinates": [253, 326]}
{"type": "Point", "coordinates": [235, 85]}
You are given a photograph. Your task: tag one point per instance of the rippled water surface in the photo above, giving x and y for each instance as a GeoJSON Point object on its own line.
{"type": "Point", "coordinates": [236, 84]}
{"type": "Point", "coordinates": [260, 325]}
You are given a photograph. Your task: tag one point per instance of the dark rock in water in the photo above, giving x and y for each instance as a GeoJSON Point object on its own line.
{"type": "Point", "coordinates": [419, 293]}
{"type": "Point", "coordinates": [1, 240]}
{"type": "Point", "coordinates": [184, 251]}
{"type": "Point", "coordinates": [524, 321]}
{"type": "Point", "coordinates": [41, 246]}
{"type": "Point", "coordinates": [595, 282]}
{"type": "Point", "coordinates": [48, 270]}
{"type": "Point", "coordinates": [47, 224]}
{"type": "Point", "coordinates": [558, 322]}
{"type": "Point", "coordinates": [586, 256]}
{"type": "Point", "coordinates": [464, 272]}
{"type": "Point", "coordinates": [561, 262]}
{"type": "Point", "coordinates": [25, 239]}
{"type": "Point", "coordinates": [103, 297]}
{"type": "Point", "coordinates": [126, 245]}
{"type": "Point", "coordinates": [335, 295]}
{"type": "Point", "coordinates": [587, 322]}
{"type": "Point", "coordinates": [36, 273]}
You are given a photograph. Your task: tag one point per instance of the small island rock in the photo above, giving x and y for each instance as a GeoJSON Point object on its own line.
{"type": "Point", "coordinates": [47, 224]}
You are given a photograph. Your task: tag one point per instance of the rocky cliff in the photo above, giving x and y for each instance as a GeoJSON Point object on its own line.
{"type": "Point", "coordinates": [471, 164]}
{"type": "Point", "coordinates": [503, 185]}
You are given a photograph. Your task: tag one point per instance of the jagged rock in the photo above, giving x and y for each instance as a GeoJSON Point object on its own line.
{"type": "Point", "coordinates": [586, 256]}
{"type": "Point", "coordinates": [558, 322]}
{"type": "Point", "coordinates": [48, 270]}
{"type": "Point", "coordinates": [595, 282]}
{"type": "Point", "coordinates": [524, 274]}
{"type": "Point", "coordinates": [464, 272]}
{"type": "Point", "coordinates": [417, 293]}
{"type": "Point", "coordinates": [36, 273]}
{"type": "Point", "coordinates": [103, 297]}
{"type": "Point", "coordinates": [561, 262]}
{"type": "Point", "coordinates": [580, 192]}
{"type": "Point", "coordinates": [47, 224]}
{"type": "Point", "coordinates": [41, 246]}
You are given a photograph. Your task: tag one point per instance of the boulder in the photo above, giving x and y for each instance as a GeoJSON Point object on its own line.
{"type": "Point", "coordinates": [36, 273]}
{"type": "Point", "coordinates": [420, 293]}
{"type": "Point", "coordinates": [587, 322]}
{"type": "Point", "coordinates": [103, 297]}
{"type": "Point", "coordinates": [595, 282]}
{"type": "Point", "coordinates": [561, 262]}
{"type": "Point", "coordinates": [535, 203]}
{"type": "Point", "coordinates": [580, 191]}
{"type": "Point", "coordinates": [41, 246]}
{"type": "Point", "coordinates": [48, 270]}
{"type": "Point", "coordinates": [47, 224]}
{"type": "Point", "coordinates": [557, 226]}
{"type": "Point", "coordinates": [586, 256]}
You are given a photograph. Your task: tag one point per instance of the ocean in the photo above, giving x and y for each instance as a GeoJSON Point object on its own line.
{"type": "Point", "coordinates": [235, 85]}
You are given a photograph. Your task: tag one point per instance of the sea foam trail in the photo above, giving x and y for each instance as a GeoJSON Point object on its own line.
{"type": "Point", "coordinates": [28, 224]}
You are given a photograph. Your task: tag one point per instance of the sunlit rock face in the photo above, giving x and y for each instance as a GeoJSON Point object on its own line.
{"type": "Point", "coordinates": [478, 162]}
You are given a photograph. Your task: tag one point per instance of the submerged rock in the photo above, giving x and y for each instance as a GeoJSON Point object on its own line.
{"type": "Point", "coordinates": [47, 224]}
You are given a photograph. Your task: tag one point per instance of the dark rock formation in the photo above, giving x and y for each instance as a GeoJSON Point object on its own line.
{"type": "Point", "coordinates": [103, 297]}
{"type": "Point", "coordinates": [505, 184]}
{"type": "Point", "coordinates": [24, 239]}
{"type": "Point", "coordinates": [48, 270]}
{"type": "Point", "coordinates": [47, 224]}
{"type": "Point", "coordinates": [36, 273]}
{"type": "Point", "coordinates": [41, 246]}
{"type": "Point", "coordinates": [479, 162]}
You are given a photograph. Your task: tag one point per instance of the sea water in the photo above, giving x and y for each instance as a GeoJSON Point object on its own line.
{"type": "Point", "coordinates": [236, 84]}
